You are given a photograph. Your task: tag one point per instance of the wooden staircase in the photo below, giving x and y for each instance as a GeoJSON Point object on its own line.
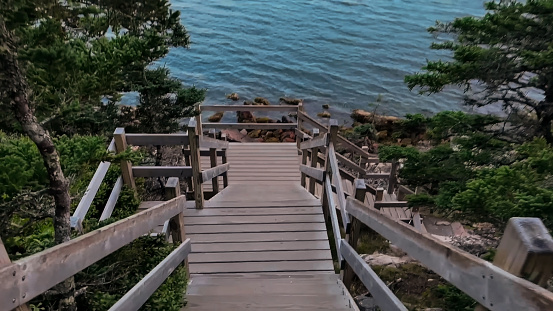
{"type": "Point", "coordinates": [261, 243]}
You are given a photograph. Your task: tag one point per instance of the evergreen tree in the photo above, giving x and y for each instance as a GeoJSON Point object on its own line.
{"type": "Point", "coordinates": [505, 57]}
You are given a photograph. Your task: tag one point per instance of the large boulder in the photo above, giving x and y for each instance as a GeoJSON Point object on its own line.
{"type": "Point", "coordinates": [380, 122]}
{"type": "Point", "coordinates": [291, 101]}
{"type": "Point", "coordinates": [233, 96]}
{"type": "Point", "coordinates": [261, 100]}
{"type": "Point", "coordinates": [245, 117]}
{"type": "Point", "coordinates": [216, 117]}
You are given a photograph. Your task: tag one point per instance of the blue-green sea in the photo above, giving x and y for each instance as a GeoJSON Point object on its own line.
{"type": "Point", "coordinates": [341, 53]}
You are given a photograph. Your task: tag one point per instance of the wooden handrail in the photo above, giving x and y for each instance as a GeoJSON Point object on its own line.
{"type": "Point", "coordinates": [91, 190]}
{"type": "Point", "coordinates": [31, 276]}
{"type": "Point", "coordinates": [139, 294]}
{"type": "Point", "coordinates": [312, 172]}
{"type": "Point", "coordinates": [280, 108]}
{"type": "Point", "coordinates": [382, 295]}
{"type": "Point", "coordinates": [251, 126]}
{"type": "Point", "coordinates": [491, 286]}
{"type": "Point", "coordinates": [213, 172]}
{"type": "Point", "coordinates": [333, 217]}
{"type": "Point", "coordinates": [157, 139]}
{"type": "Point", "coordinates": [338, 183]}
{"type": "Point", "coordinates": [112, 200]}
{"type": "Point", "coordinates": [341, 140]}
{"type": "Point", "coordinates": [320, 141]}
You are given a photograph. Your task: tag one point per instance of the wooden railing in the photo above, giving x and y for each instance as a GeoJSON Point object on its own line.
{"type": "Point", "coordinates": [248, 126]}
{"type": "Point", "coordinates": [29, 277]}
{"type": "Point", "coordinates": [191, 144]}
{"type": "Point", "coordinates": [526, 249]}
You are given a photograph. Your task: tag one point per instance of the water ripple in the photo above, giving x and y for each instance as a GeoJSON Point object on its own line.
{"type": "Point", "coordinates": [340, 52]}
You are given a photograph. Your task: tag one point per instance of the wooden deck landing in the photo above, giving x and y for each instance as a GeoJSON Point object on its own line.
{"type": "Point", "coordinates": [261, 243]}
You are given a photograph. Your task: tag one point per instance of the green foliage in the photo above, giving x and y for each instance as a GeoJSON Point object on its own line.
{"type": "Point", "coordinates": [77, 70]}
{"type": "Point", "coordinates": [511, 40]}
{"type": "Point", "coordinates": [125, 268]}
{"type": "Point", "coordinates": [163, 103]}
{"type": "Point", "coordinates": [454, 299]}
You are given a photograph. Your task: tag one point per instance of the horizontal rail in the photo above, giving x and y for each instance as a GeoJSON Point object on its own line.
{"type": "Point", "coordinates": [382, 295]}
{"type": "Point", "coordinates": [388, 204]}
{"type": "Point", "coordinates": [491, 286]}
{"type": "Point", "coordinates": [251, 126]}
{"type": "Point", "coordinates": [341, 139]}
{"type": "Point", "coordinates": [285, 108]}
{"type": "Point", "coordinates": [315, 142]}
{"type": "Point", "coordinates": [338, 183]}
{"type": "Point", "coordinates": [31, 276]}
{"type": "Point", "coordinates": [375, 175]}
{"type": "Point", "coordinates": [351, 165]}
{"type": "Point", "coordinates": [301, 134]}
{"type": "Point", "coordinates": [206, 142]}
{"type": "Point", "coordinates": [333, 217]}
{"type": "Point", "coordinates": [162, 171]}
{"type": "Point", "coordinates": [112, 200]}
{"type": "Point", "coordinates": [141, 292]}
{"type": "Point", "coordinates": [204, 153]}
{"type": "Point", "coordinates": [313, 172]}
{"type": "Point", "coordinates": [157, 139]}
{"type": "Point", "coordinates": [213, 172]}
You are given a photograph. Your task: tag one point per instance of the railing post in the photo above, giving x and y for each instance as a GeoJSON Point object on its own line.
{"type": "Point", "coordinates": [379, 194]}
{"type": "Point", "coordinates": [213, 160]}
{"type": "Point", "coordinates": [314, 160]}
{"type": "Point", "coordinates": [195, 163]}
{"type": "Point", "coordinates": [188, 163]}
{"type": "Point", "coordinates": [331, 138]}
{"type": "Point", "coordinates": [199, 129]}
{"type": "Point", "coordinates": [393, 177]}
{"type": "Point", "coordinates": [525, 250]}
{"type": "Point", "coordinates": [5, 261]}
{"type": "Point", "coordinates": [299, 119]}
{"type": "Point", "coordinates": [304, 162]}
{"type": "Point", "coordinates": [360, 192]}
{"type": "Point", "coordinates": [224, 161]}
{"type": "Point", "coordinates": [126, 166]}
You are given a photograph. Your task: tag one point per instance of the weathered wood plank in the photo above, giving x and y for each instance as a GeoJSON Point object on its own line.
{"type": "Point", "coordinates": [49, 267]}
{"type": "Point", "coordinates": [315, 142]}
{"type": "Point", "coordinates": [251, 126]}
{"type": "Point", "coordinates": [252, 228]}
{"type": "Point", "coordinates": [112, 200]}
{"type": "Point", "coordinates": [157, 139]}
{"type": "Point", "coordinates": [312, 172]}
{"type": "Point", "coordinates": [90, 193]}
{"type": "Point", "coordinates": [384, 297]}
{"type": "Point", "coordinates": [268, 302]}
{"type": "Point", "coordinates": [252, 211]}
{"type": "Point", "coordinates": [263, 219]}
{"type": "Point", "coordinates": [162, 171]}
{"type": "Point", "coordinates": [259, 237]}
{"type": "Point", "coordinates": [126, 166]}
{"type": "Point", "coordinates": [301, 255]}
{"type": "Point", "coordinates": [276, 266]}
{"type": "Point", "coordinates": [390, 204]}
{"type": "Point", "coordinates": [489, 285]}
{"type": "Point", "coordinates": [254, 108]}
{"type": "Point", "coordinates": [214, 172]}
{"type": "Point", "coordinates": [140, 293]}
{"type": "Point", "coordinates": [333, 216]}
{"type": "Point", "coordinates": [259, 246]}
{"type": "Point", "coordinates": [339, 190]}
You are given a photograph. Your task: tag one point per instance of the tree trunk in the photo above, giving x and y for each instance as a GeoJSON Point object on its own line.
{"type": "Point", "coordinates": [14, 93]}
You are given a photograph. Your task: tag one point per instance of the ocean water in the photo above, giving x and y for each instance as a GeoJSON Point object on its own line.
{"type": "Point", "coordinates": [342, 53]}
